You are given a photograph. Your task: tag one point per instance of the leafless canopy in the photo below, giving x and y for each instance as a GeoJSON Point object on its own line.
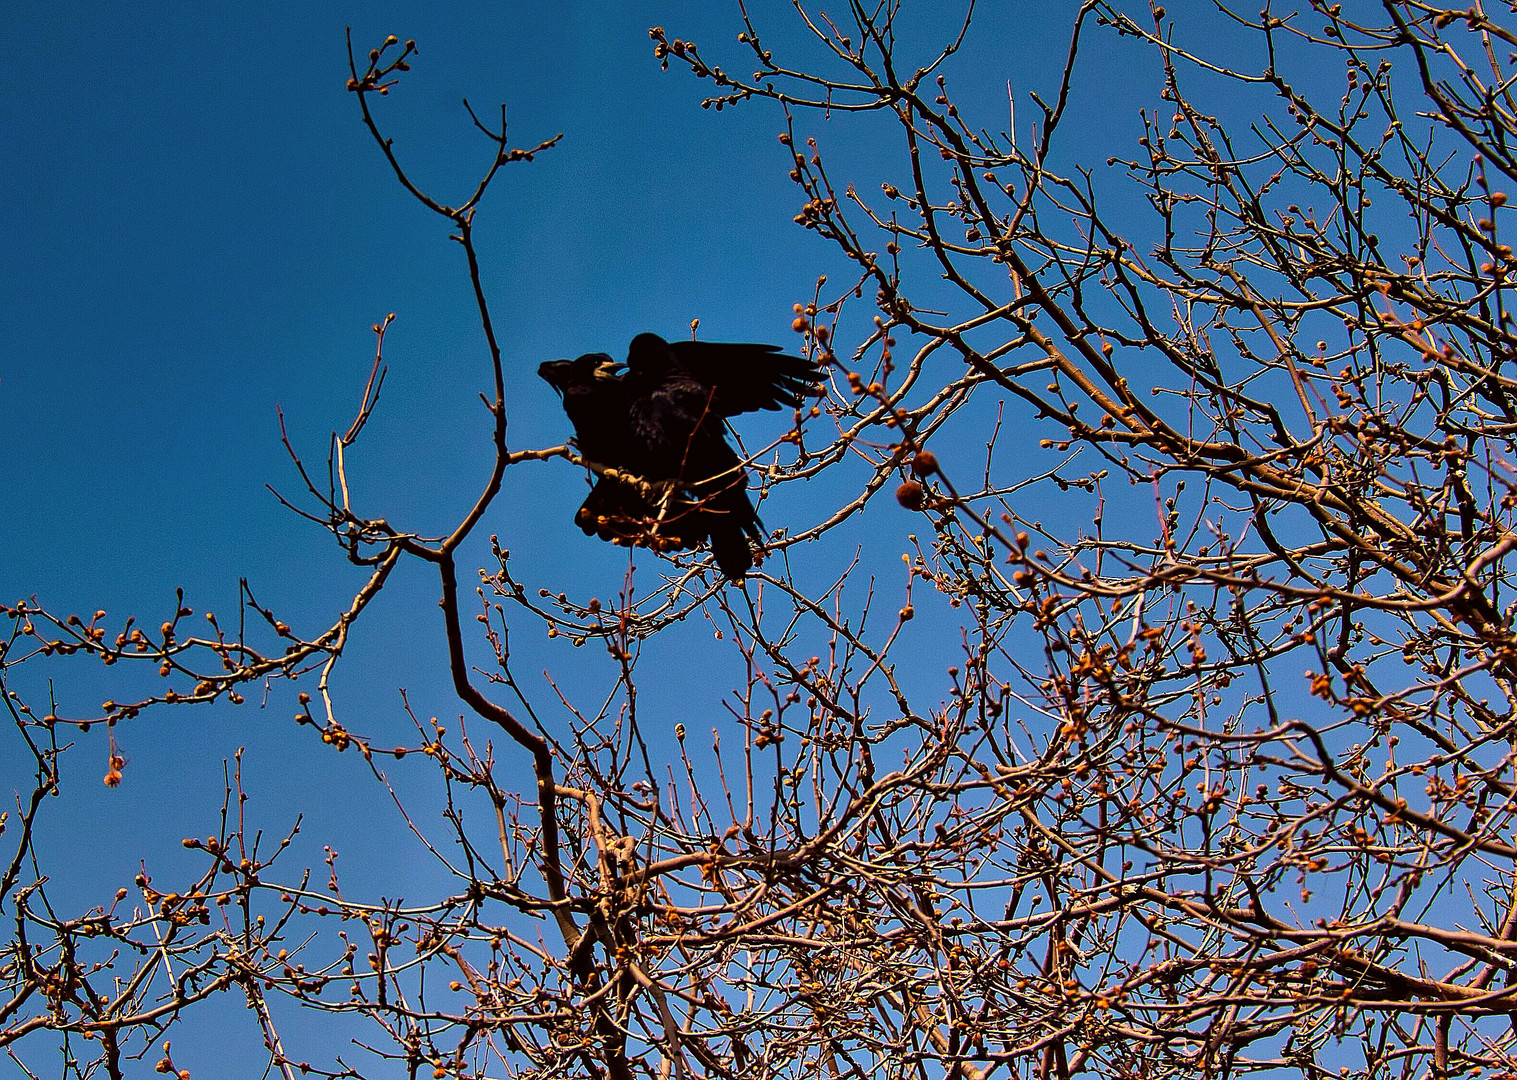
{"type": "Point", "coordinates": [1224, 777]}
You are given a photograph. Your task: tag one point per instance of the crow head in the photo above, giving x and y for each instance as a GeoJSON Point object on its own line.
{"type": "Point", "coordinates": [649, 357]}
{"type": "Point", "coordinates": [566, 375]}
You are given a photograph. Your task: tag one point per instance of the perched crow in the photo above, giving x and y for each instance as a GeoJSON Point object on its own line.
{"type": "Point", "coordinates": [596, 397]}
{"type": "Point", "coordinates": [663, 420]}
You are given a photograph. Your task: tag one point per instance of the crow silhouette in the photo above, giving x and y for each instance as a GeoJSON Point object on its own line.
{"type": "Point", "coordinates": [662, 417]}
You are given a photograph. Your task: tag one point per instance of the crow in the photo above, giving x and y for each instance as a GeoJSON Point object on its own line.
{"type": "Point", "coordinates": [596, 398]}
{"type": "Point", "coordinates": [662, 419]}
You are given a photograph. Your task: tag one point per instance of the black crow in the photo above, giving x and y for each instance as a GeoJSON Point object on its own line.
{"type": "Point", "coordinates": [663, 420]}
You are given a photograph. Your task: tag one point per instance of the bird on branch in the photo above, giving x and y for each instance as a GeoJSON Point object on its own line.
{"type": "Point", "coordinates": [654, 432]}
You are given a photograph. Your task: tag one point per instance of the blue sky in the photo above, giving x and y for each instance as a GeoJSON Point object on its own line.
{"type": "Point", "coordinates": [199, 231]}
{"type": "Point", "coordinates": [202, 232]}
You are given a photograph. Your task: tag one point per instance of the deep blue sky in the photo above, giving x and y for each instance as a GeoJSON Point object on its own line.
{"type": "Point", "coordinates": [197, 229]}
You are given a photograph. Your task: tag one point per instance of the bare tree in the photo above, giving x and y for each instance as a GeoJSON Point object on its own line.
{"type": "Point", "coordinates": [1223, 777]}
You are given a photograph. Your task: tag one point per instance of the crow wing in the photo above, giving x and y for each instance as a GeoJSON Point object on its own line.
{"type": "Point", "coordinates": [737, 377]}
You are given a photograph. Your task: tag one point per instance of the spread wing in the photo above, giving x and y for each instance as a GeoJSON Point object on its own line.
{"type": "Point", "coordinates": [735, 377]}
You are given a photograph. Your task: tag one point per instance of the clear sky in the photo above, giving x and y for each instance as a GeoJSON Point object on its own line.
{"type": "Point", "coordinates": [200, 231]}
{"type": "Point", "coordinates": [197, 230]}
